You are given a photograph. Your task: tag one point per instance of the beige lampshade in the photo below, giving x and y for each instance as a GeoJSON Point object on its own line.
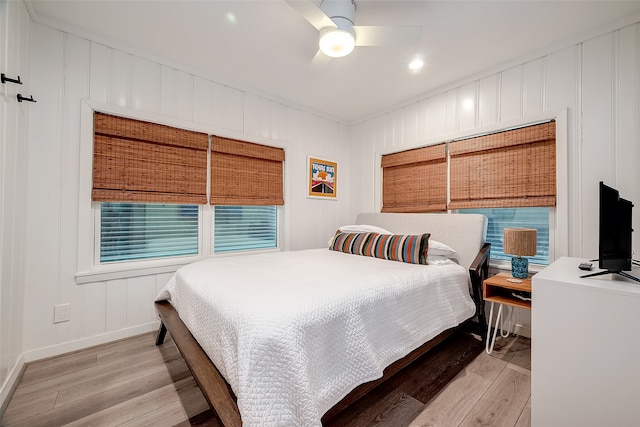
{"type": "Point", "coordinates": [520, 241]}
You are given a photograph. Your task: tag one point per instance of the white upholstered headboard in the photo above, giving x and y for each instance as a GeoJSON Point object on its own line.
{"type": "Point", "coordinates": [465, 233]}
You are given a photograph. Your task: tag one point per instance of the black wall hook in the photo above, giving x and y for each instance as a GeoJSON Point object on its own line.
{"type": "Point", "coordinates": [10, 80]}
{"type": "Point", "coordinates": [24, 98]}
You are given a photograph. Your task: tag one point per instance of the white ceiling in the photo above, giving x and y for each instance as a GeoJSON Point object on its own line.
{"type": "Point", "coordinates": [267, 47]}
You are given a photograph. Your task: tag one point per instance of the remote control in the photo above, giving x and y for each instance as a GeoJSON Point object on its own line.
{"type": "Point", "coordinates": [585, 266]}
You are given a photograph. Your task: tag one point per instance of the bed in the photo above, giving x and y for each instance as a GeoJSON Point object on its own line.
{"type": "Point", "coordinates": [293, 338]}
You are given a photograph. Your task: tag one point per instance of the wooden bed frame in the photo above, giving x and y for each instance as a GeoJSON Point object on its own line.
{"type": "Point", "coordinates": [221, 398]}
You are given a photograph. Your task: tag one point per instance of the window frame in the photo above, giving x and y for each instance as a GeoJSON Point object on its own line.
{"type": "Point", "coordinates": [212, 235]}
{"type": "Point", "coordinates": [89, 269]}
{"type": "Point", "coordinates": [559, 244]}
{"type": "Point", "coordinates": [143, 261]}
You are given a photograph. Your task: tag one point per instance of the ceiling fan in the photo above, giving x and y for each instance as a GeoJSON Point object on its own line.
{"type": "Point", "coordinates": [338, 36]}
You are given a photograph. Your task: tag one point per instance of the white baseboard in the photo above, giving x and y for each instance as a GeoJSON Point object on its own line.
{"type": "Point", "coordinates": [6, 391]}
{"type": "Point", "coordinates": [67, 347]}
{"type": "Point", "coordinates": [523, 331]}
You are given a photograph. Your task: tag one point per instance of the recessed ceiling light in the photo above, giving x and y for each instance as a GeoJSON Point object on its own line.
{"type": "Point", "coordinates": [416, 64]}
{"type": "Point", "coordinates": [231, 18]}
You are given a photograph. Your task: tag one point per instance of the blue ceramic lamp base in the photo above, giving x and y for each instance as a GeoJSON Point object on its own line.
{"type": "Point", "coordinates": [519, 267]}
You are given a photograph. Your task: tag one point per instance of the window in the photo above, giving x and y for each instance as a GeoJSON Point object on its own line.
{"type": "Point", "coordinates": [136, 231]}
{"type": "Point", "coordinates": [244, 173]}
{"type": "Point", "coordinates": [239, 228]}
{"type": "Point", "coordinates": [135, 161]}
{"type": "Point", "coordinates": [153, 182]}
{"type": "Point", "coordinates": [509, 176]}
{"type": "Point", "coordinates": [512, 168]}
{"type": "Point", "coordinates": [499, 218]}
{"type": "Point", "coordinates": [130, 231]}
{"type": "Point", "coordinates": [415, 180]}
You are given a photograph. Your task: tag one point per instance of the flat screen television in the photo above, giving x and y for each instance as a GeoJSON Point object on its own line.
{"type": "Point", "coordinates": [615, 244]}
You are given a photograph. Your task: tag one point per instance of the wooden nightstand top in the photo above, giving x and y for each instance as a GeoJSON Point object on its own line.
{"type": "Point", "coordinates": [498, 289]}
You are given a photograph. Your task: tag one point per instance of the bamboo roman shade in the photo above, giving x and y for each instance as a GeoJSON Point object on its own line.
{"type": "Point", "coordinates": [515, 168]}
{"type": "Point", "coordinates": [136, 161]}
{"type": "Point", "coordinates": [244, 173]}
{"type": "Point", "coordinates": [415, 180]}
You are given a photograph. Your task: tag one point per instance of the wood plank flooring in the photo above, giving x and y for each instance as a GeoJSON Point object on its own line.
{"type": "Point", "coordinates": [134, 383]}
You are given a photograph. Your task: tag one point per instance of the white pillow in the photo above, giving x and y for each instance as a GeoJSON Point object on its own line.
{"type": "Point", "coordinates": [437, 248]}
{"type": "Point", "coordinates": [438, 260]}
{"type": "Point", "coordinates": [363, 229]}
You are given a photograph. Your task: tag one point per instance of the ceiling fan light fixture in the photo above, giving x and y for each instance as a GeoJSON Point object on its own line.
{"type": "Point", "coordinates": [336, 43]}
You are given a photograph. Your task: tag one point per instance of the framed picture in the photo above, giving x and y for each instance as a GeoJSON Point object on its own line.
{"type": "Point", "coordinates": [322, 179]}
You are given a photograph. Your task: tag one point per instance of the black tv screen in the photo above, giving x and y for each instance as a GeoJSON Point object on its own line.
{"type": "Point", "coordinates": [615, 251]}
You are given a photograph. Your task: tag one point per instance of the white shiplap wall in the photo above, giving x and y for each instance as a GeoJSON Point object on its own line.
{"type": "Point", "coordinates": [14, 22]}
{"type": "Point", "coordinates": [69, 73]}
{"type": "Point", "coordinates": [594, 84]}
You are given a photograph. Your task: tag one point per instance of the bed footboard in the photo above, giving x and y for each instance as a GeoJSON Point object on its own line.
{"type": "Point", "coordinates": [212, 384]}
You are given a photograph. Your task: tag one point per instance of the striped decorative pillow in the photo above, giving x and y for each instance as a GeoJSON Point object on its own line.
{"type": "Point", "coordinates": [410, 248]}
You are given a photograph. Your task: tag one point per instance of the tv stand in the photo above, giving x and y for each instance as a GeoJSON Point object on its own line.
{"type": "Point", "coordinates": [602, 318]}
{"type": "Point", "coordinates": [621, 273]}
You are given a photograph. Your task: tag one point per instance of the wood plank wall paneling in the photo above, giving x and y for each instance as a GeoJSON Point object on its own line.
{"type": "Point", "coordinates": [532, 88]}
{"type": "Point", "coordinates": [145, 94]}
{"type": "Point", "coordinates": [44, 156]}
{"type": "Point", "coordinates": [76, 84]}
{"type": "Point", "coordinates": [14, 61]}
{"type": "Point", "coordinates": [627, 108]}
{"type": "Point", "coordinates": [511, 90]}
{"type": "Point", "coordinates": [68, 70]}
{"type": "Point", "coordinates": [467, 106]}
{"type": "Point", "coordinates": [489, 92]}
{"type": "Point", "coordinates": [598, 139]}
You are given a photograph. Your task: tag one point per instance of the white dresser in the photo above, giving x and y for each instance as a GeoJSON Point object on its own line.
{"type": "Point", "coordinates": [585, 348]}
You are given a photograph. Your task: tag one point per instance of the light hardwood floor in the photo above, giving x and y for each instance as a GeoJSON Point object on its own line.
{"type": "Point", "coordinates": [493, 390]}
{"type": "Point", "coordinates": [134, 383]}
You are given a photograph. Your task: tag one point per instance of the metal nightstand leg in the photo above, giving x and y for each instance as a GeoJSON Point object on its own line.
{"type": "Point", "coordinates": [510, 322]}
{"type": "Point", "coordinates": [492, 341]}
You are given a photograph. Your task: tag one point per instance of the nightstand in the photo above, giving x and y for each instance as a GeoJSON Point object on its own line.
{"type": "Point", "coordinates": [503, 289]}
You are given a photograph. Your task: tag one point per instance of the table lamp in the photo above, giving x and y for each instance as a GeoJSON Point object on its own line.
{"type": "Point", "coordinates": [520, 242]}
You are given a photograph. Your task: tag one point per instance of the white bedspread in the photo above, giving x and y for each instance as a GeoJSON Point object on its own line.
{"type": "Point", "coordinates": [294, 332]}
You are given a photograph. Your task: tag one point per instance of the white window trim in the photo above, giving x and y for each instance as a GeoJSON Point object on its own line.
{"type": "Point", "coordinates": [89, 269]}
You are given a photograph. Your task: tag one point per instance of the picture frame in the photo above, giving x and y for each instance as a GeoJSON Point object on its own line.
{"type": "Point", "coordinates": [322, 179]}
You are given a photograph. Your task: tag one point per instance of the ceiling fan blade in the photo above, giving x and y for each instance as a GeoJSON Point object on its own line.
{"type": "Point", "coordinates": [311, 13]}
{"type": "Point", "coordinates": [374, 35]}
{"type": "Point", "coordinates": [318, 64]}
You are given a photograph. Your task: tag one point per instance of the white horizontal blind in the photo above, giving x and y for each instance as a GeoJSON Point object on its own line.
{"type": "Point", "coordinates": [241, 228]}
{"type": "Point", "coordinates": [501, 218]}
{"type": "Point", "coordinates": [130, 231]}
